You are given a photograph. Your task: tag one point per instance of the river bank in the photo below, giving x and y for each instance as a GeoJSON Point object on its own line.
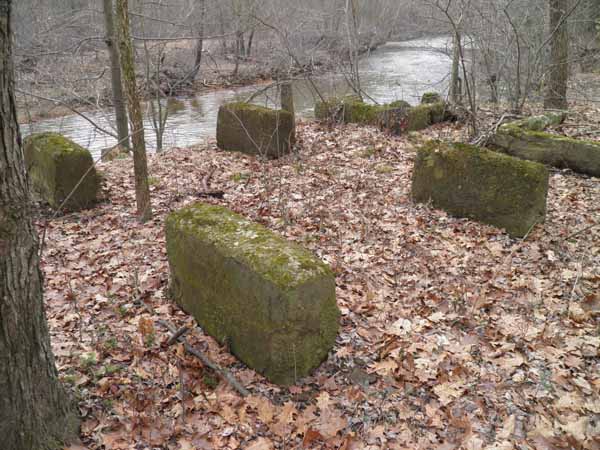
{"type": "Point", "coordinates": [48, 89]}
{"type": "Point", "coordinates": [392, 72]}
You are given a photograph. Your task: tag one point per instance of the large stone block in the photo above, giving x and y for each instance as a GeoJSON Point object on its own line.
{"type": "Point", "coordinates": [255, 130]}
{"type": "Point", "coordinates": [55, 165]}
{"type": "Point", "coordinates": [272, 301]}
{"type": "Point", "coordinates": [579, 155]}
{"type": "Point", "coordinates": [396, 117]}
{"type": "Point", "coordinates": [487, 186]}
{"type": "Point", "coordinates": [348, 109]}
{"type": "Point", "coordinates": [431, 97]}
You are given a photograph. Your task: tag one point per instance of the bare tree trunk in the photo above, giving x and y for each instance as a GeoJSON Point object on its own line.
{"type": "Point", "coordinates": [115, 72]}
{"type": "Point", "coordinates": [287, 104]}
{"type": "Point", "coordinates": [241, 44]}
{"type": "Point", "coordinates": [35, 412]}
{"type": "Point", "coordinates": [558, 71]}
{"type": "Point", "coordinates": [140, 163]}
{"type": "Point", "coordinates": [250, 41]}
{"type": "Point", "coordinates": [200, 42]}
{"type": "Point", "coordinates": [455, 81]}
{"type": "Point", "coordinates": [287, 97]}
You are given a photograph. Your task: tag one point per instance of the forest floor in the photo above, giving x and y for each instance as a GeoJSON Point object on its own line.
{"type": "Point", "coordinates": [453, 335]}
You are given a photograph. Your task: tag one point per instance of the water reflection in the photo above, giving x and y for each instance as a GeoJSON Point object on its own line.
{"type": "Point", "coordinates": [395, 71]}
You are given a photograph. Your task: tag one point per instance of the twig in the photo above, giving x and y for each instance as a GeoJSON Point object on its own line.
{"type": "Point", "coordinates": [228, 377]}
{"type": "Point", "coordinates": [177, 335]}
{"type": "Point", "coordinates": [577, 233]}
{"type": "Point", "coordinates": [206, 186]}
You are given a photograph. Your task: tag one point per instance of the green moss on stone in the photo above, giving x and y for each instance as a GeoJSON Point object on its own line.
{"type": "Point", "coordinates": [270, 299]}
{"type": "Point", "coordinates": [579, 155]}
{"type": "Point", "coordinates": [540, 123]}
{"type": "Point", "coordinates": [55, 165]}
{"type": "Point", "coordinates": [472, 182]}
{"type": "Point", "coordinates": [431, 97]}
{"type": "Point", "coordinates": [396, 117]}
{"type": "Point", "coordinates": [419, 118]}
{"type": "Point", "coordinates": [398, 104]}
{"type": "Point", "coordinates": [255, 130]}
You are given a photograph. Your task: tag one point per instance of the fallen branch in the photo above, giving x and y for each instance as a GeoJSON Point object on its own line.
{"type": "Point", "coordinates": [206, 186]}
{"type": "Point", "coordinates": [178, 337]}
{"type": "Point", "coordinates": [577, 233]}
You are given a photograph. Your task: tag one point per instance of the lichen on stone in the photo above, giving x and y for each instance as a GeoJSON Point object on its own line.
{"type": "Point", "coordinates": [270, 299]}
{"type": "Point", "coordinates": [255, 130]}
{"type": "Point", "coordinates": [431, 97]}
{"type": "Point", "coordinates": [56, 165]}
{"type": "Point", "coordinates": [518, 140]}
{"type": "Point", "coordinates": [473, 182]}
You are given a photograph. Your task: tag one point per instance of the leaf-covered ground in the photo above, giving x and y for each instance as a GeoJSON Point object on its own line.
{"type": "Point", "coordinates": [452, 334]}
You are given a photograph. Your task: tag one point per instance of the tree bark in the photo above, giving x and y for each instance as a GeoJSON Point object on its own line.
{"type": "Point", "coordinates": [287, 104]}
{"type": "Point", "coordinates": [115, 72]}
{"type": "Point", "coordinates": [287, 97]}
{"type": "Point", "coordinates": [455, 81]}
{"type": "Point", "coordinates": [200, 42]}
{"type": "Point", "coordinates": [140, 163]}
{"type": "Point", "coordinates": [558, 70]}
{"type": "Point", "coordinates": [35, 412]}
{"type": "Point", "coordinates": [250, 42]}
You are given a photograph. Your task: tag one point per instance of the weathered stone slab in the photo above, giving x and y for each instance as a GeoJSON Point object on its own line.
{"type": "Point", "coordinates": [255, 130]}
{"type": "Point", "coordinates": [272, 301]}
{"type": "Point", "coordinates": [403, 119]}
{"type": "Point", "coordinates": [431, 97]}
{"type": "Point", "coordinates": [559, 151]}
{"type": "Point", "coordinates": [397, 117]}
{"type": "Point", "coordinates": [55, 165]}
{"type": "Point", "coordinates": [348, 109]}
{"type": "Point", "coordinates": [487, 186]}
{"type": "Point", "coordinates": [541, 122]}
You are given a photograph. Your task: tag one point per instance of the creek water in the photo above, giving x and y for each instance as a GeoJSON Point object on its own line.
{"type": "Point", "coordinates": [395, 71]}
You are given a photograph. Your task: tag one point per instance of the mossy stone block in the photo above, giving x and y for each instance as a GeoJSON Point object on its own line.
{"type": "Point", "coordinates": [396, 117]}
{"type": "Point", "coordinates": [255, 130]}
{"type": "Point", "coordinates": [541, 122]}
{"type": "Point", "coordinates": [348, 109]}
{"type": "Point", "coordinates": [55, 165]}
{"type": "Point", "coordinates": [468, 181]}
{"type": "Point", "coordinates": [271, 300]}
{"type": "Point", "coordinates": [431, 97]}
{"type": "Point", "coordinates": [419, 118]}
{"type": "Point", "coordinates": [579, 155]}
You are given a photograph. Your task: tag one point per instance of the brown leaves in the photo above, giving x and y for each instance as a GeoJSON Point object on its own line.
{"type": "Point", "coordinates": [452, 335]}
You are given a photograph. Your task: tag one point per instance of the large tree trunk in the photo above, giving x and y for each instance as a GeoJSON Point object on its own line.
{"type": "Point", "coordinates": [140, 163]}
{"type": "Point", "coordinates": [35, 413]}
{"type": "Point", "coordinates": [558, 70]}
{"type": "Point", "coordinates": [200, 42]}
{"type": "Point", "coordinates": [115, 72]}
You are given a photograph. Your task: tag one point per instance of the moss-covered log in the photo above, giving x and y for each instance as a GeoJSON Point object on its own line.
{"type": "Point", "coordinates": [559, 151]}
{"type": "Point", "coordinates": [487, 186]}
{"type": "Point", "coordinates": [270, 300]}
{"type": "Point", "coordinates": [55, 165]}
{"type": "Point", "coordinates": [255, 130]}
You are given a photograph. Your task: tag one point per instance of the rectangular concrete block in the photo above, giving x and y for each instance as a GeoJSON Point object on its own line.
{"type": "Point", "coordinates": [55, 165]}
{"type": "Point", "coordinates": [579, 155]}
{"type": "Point", "coordinates": [272, 301]}
{"type": "Point", "coordinates": [468, 181]}
{"type": "Point", "coordinates": [255, 130]}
